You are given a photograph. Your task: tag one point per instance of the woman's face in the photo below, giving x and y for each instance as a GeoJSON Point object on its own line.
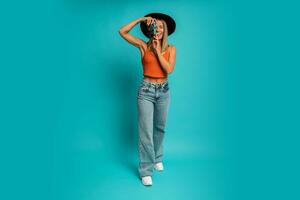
{"type": "Point", "coordinates": [159, 30]}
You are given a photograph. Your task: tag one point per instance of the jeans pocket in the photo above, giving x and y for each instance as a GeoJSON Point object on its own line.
{"type": "Point", "coordinates": [144, 88]}
{"type": "Point", "coordinates": [165, 88]}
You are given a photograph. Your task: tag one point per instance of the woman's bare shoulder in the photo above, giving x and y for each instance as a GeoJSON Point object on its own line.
{"type": "Point", "coordinates": [145, 45]}
{"type": "Point", "coordinates": [171, 46]}
{"type": "Point", "coordinates": [143, 48]}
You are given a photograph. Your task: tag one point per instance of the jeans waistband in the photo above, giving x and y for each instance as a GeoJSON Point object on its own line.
{"type": "Point", "coordinates": [157, 85]}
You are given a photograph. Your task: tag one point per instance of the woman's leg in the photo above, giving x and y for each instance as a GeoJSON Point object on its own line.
{"type": "Point", "coordinates": [145, 129]}
{"type": "Point", "coordinates": [161, 109]}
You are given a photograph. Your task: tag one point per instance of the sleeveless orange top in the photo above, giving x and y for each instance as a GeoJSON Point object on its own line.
{"type": "Point", "coordinates": [151, 65]}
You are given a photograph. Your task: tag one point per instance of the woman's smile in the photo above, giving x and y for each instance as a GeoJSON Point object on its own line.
{"type": "Point", "coordinates": [158, 35]}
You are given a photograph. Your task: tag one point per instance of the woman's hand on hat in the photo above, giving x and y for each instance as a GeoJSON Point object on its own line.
{"type": "Point", "coordinates": [148, 20]}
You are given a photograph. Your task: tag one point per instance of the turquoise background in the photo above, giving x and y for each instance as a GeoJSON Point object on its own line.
{"type": "Point", "coordinates": [68, 101]}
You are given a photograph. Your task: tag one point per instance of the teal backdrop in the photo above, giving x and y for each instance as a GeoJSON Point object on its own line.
{"type": "Point", "coordinates": [69, 111]}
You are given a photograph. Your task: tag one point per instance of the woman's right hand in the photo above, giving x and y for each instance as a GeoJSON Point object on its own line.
{"type": "Point", "coordinates": [148, 20]}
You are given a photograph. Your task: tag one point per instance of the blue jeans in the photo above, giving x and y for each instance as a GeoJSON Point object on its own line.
{"type": "Point", "coordinates": [153, 105]}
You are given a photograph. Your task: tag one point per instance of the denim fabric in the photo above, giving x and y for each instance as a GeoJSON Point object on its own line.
{"type": "Point", "coordinates": [153, 105]}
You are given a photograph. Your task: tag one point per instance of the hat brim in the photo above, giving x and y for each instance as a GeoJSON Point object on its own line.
{"type": "Point", "coordinates": [171, 24]}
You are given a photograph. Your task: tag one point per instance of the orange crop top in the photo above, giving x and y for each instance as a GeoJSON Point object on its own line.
{"type": "Point", "coordinates": [151, 65]}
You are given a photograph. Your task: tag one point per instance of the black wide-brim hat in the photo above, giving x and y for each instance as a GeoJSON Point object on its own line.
{"type": "Point", "coordinates": [171, 24]}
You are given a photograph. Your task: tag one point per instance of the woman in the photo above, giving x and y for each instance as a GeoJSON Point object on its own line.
{"type": "Point", "coordinates": [158, 59]}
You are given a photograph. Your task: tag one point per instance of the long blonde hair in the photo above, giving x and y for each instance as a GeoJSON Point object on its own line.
{"type": "Point", "coordinates": [164, 43]}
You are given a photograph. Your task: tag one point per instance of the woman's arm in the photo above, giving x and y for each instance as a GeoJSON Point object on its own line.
{"type": "Point", "coordinates": [124, 32]}
{"type": "Point", "coordinates": [168, 66]}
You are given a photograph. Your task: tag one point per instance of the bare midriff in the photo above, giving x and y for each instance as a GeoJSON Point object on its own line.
{"type": "Point", "coordinates": [155, 80]}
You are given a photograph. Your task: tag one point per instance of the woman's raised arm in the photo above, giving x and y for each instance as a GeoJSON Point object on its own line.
{"type": "Point", "coordinates": [124, 31]}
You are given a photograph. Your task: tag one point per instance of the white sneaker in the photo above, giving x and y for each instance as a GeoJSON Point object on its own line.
{"type": "Point", "coordinates": [159, 166]}
{"type": "Point", "coordinates": [147, 180]}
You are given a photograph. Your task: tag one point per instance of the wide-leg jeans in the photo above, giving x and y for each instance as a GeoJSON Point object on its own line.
{"type": "Point", "coordinates": [153, 101]}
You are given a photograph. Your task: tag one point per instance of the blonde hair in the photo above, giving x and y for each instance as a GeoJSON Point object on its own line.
{"type": "Point", "coordinates": [165, 37]}
{"type": "Point", "coordinates": [164, 43]}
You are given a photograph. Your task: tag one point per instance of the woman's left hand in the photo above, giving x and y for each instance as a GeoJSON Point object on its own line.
{"type": "Point", "coordinates": [156, 46]}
